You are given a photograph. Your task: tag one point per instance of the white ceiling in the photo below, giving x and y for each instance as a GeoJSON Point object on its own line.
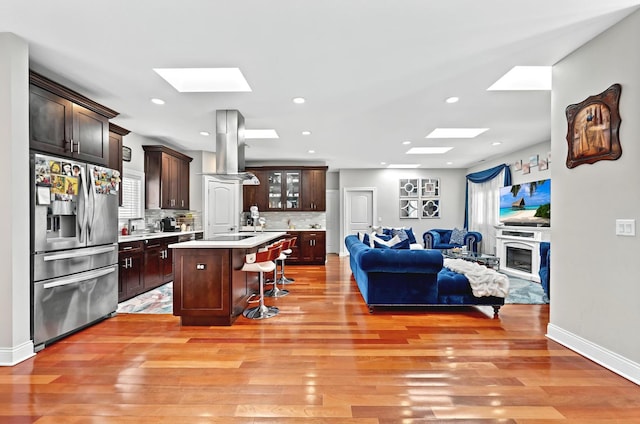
{"type": "Point", "coordinates": [374, 72]}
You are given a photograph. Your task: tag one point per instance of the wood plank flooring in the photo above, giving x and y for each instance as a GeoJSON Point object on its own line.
{"type": "Point", "coordinates": [324, 359]}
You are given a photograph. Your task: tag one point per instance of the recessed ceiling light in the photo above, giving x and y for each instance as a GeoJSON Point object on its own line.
{"type": "Point", "coordinates": [205, 133]}
{"type": "Point", "coordinates": [157, 101]}
{"type": "Point", "coordinates": [449, 163]}
{"type": "Point", "coordinates": [191, 80]}
{"type": "Point", "coordinates": [453, 99]}
{"type": "Point", "coordinates": [306, 132]}
{"type": "Point", "coordinates": [312, 151]}
{"type": "Point", "coordinates": [260, 134]}
{"type": "Point", "coordinates": [456, 132]}
{"type": "Point", "coordinates": [496, 143]}
{"type": "Point", "coordinates": [428, 150]}
{"type": "Point", "coordinates": [406, 142]}
{"type": "Point", "coordinates": [383, 163]}
{"type": "Point", "coordinates": [524, 78]}
{"type": "Point", "coordinates": [299, 100]}
{"type": "Point", "coordinates": [403, 165]}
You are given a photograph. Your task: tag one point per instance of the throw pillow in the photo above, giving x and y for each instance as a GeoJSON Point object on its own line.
{"type": "Point", "coordinates": [378, 229]}
{"type": "Point", "coordinates": [400, 233]}
{"type": "Point", "coordinates": [380, 239]}
{"type": "Point", "coordinates": [407, 230]}
{"type": "Point", "coordinates": [410, 235]}
{"type": "Point", "coordinates": [403, 244]}
{"type": "Point", "coordinates": [457, 236]}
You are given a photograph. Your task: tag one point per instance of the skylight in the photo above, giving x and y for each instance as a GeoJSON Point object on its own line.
{"type": "Point", "coordinates": [428, 150]}
{"type": "Point", "coordinates": [524, 78]}
{"type": "Point", "coordinates": [456, 132]}
{"type": "Point", "coordinates": [205, 79]}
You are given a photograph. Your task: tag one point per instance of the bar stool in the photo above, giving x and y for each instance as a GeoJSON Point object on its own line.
{"type": "Point", "coordinates": [283, 279]}
{"type": "Point", "coordinates": [284, 252]}
{"type": "Point", "coordinates": [261, 262]}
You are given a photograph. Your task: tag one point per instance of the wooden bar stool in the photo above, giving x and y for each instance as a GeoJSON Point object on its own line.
{"type": "Point", "coordinates": [286, 247]}
{"type": "Point", "coordinates": [261, 262]}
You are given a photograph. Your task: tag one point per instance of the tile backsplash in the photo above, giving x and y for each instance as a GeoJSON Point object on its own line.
{"type": "Point", "coordinates": [151, 216]}
{"type": "Point", "coordinates": [284, 220]}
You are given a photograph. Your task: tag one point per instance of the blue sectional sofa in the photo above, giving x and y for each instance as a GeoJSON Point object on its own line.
{"type": "Point", "coordinates": [438, 238]}
{"type": "Point", "coordinates": [545, 264]}
{"type": "Point", "coordinates": [404, 277]}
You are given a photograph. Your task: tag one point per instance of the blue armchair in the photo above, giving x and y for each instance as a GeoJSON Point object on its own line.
{"type": "Point", "coordinates": [545, 262]}
{"type": "Point", "coordinates": [440, 239]}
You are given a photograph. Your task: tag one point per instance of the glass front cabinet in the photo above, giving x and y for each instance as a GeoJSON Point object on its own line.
{"type": "Point", "coordinates": [283, 190]}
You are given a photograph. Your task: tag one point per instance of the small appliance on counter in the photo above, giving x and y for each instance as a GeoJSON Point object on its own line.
{"type": "Point", "coordinates": [168, 224]}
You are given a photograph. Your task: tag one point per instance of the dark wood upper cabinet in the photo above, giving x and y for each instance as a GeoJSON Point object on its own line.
{"type": "Point", "coordinates": [166, 178]}
{"type": "Point", "coordinates": [116, 135]}
{"type": "Point", "coordinates": [287, 189]}
{"type": "Point", "coordinates": [64, 122]}
{"type": "Point", "coordinates": [314, 189]}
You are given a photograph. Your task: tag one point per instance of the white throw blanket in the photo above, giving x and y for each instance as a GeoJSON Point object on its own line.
{"type": "Point", "coordinates": [483, 281]}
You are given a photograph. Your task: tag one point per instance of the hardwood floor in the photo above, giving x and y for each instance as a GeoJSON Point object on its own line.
{"type": "Point", "coordinates": [323, 359]}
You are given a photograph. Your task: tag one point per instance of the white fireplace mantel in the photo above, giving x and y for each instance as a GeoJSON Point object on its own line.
{"type": "Point", "coordinates": [519, 238]}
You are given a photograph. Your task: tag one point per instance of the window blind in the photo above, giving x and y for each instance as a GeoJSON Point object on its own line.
{"type": "Point", "coordinates": [132, 196]}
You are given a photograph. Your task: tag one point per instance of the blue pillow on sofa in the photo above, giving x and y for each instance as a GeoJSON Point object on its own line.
{"type": "Point", "coordinates": [393, 243]}
{"type": "Point", "coordinates": [407, 230]}
{"type": "Point", "coordinates": [457, 236]}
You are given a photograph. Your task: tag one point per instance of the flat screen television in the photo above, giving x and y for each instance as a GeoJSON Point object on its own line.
{"type": "Point", "coordinates": [526, 204]}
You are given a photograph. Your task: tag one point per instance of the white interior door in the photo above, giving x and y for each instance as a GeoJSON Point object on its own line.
{"type": "Point", "coordinates": [221, 206]}
{"type": "Point", "coordinates": [360, 210]}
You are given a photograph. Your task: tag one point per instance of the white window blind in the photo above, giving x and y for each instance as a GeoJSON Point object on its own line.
{"type": "Point", "coordinates": [132, 195]}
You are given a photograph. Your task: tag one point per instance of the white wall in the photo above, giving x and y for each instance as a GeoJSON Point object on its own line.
{"type": "Point", "coordinates": [595, 284]}
{"type": "Point", "coordinates": [15, 309]}
{"type": "Point", "coordinates": [387, 182]}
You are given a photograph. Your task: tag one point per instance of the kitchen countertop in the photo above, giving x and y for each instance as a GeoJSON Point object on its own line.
{"type": "Point", "coordinates": [248, 228]}
{"type": "Point", "coordinates": [148, 236]}
{"type": "Point", "coordinates": [257, 239]}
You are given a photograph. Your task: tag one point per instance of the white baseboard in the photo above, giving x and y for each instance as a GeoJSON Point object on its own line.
{"type": "Point", "coordinates": [12, 356]}
{"type": "Point", "coordinates": [608, 359]}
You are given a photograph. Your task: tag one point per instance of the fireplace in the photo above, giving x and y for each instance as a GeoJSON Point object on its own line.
{"type": "Point", "coordinates": [519, 250]}
{"type": "Point", "coordinates": [519, 258]}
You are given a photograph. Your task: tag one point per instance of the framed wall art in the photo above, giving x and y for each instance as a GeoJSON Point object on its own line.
{"type": "Point", "coordinates": [593, 126]}
{"type": "Point", "coordinates": [430, 208]}
{"type": "Point", "coordinates": [408, 209]}
{"type": "Point", "coordinates": [409, 187]}
{"type": "Point", "coordinates": [419, 198]}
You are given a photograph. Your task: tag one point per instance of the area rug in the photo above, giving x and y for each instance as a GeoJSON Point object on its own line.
{"type": "Point", "coordinates": [525, 292]}
{"type": "Point", "coordinates": [156, 301]}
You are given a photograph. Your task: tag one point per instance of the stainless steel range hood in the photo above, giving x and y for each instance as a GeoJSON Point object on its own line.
{"type": "Point", "coordinates": [230, 148]}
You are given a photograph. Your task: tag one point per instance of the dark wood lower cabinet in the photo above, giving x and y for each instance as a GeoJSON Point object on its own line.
{"type": "Point", "coordinates": [130, 279]}
{"type": "Point", "coordinates": [310, 248]}
{"type": "Point", "coordinates": [144, 265]}
{"type": "Point", "coordinates": [210, 287]}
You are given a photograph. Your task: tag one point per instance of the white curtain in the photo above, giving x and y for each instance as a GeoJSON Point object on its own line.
{"type": "Point", "coordinates": [484, 204]}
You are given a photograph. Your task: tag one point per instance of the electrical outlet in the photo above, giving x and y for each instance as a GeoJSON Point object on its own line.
{"type": "Point", "coordinates": [626, 227]}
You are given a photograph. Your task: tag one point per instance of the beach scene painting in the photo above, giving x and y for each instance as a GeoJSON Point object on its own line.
{"type": "Point", "coordinates": [526, 204]}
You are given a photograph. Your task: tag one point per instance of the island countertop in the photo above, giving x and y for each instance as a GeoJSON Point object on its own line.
{"type": "Point", "coordinates": [251, 240]}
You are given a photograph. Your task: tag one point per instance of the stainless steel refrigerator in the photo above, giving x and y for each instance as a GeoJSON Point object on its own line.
{"type": "Point", "coordinates": [74, 249]}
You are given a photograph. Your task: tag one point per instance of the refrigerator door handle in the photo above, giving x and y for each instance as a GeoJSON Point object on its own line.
{"type": "Point", "coordinates": [92, 190]}
{"type": "Point", "coordinates": [83, 224]}
{"type": "Point", "coordinates": [78, 278]}
{"type": "Point", "coordinates": [76, 254]}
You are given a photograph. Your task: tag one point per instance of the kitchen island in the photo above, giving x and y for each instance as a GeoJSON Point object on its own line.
{"type": "Point", "coordinates": [209, 286]}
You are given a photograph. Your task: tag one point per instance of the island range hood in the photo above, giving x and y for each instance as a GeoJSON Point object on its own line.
{"type": "Point", "coordinates": [230, 148]}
